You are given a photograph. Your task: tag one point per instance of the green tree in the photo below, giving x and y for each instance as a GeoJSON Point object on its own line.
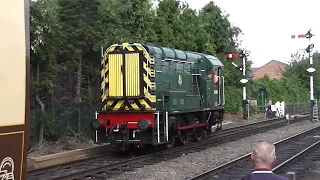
{"type": "Point", "coordinates": [167, 23]}
{"type": "Point", "coordinates": [44, 27]}
{"type": "Point", "coordinates": [216, 26]}
{"type": "Point", "coordinates": [81, 26]}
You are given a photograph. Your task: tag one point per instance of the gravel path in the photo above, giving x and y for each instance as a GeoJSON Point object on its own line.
{"type": "Point", "coordinates": [188, 165]}
{"type": "Point", "coordinates": [314, 172]}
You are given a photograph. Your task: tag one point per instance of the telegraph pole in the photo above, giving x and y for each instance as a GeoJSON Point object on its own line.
{"type": "Point", "coordinates": [311, 69]}
{"type": "Point", "coordinates": [244, 80]}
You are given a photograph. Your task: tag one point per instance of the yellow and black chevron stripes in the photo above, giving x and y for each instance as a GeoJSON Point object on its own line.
{"type": "Point", "coordinates": [137, 78]}
{"type": "Point", "coordinates": [104, 71]}
{"type": "Point", "coordinates": [134, 104]}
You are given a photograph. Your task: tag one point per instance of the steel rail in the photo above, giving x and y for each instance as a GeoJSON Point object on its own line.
{"type": "Point", "coordinates": [103, 170]}
{"type": "Point", "coordinates": [215, 171]}
{"type": "Point", "coordinates": [75, 157]}
{"type": "Point", "coordinates": [296, 157]}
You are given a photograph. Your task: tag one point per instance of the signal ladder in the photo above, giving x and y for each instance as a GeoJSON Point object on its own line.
{"type": "Point", "coordinates": [315, 111]}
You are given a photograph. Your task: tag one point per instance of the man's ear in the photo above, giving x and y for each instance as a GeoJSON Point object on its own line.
{"type": "Point", "coordinates": [252, 157]}
{"type": "Point", "coordinates": [274, 159]}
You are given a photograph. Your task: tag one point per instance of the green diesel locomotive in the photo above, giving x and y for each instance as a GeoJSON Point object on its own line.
{"type": "Point", "coordinates": [158, 96]}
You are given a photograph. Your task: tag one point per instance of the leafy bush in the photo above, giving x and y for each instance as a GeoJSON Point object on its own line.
{"type": "Point", "coordinates": [233, 99]}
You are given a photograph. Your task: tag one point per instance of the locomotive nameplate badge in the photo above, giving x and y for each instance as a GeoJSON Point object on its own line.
{"type": "Point", "coordinates": [180, 80]}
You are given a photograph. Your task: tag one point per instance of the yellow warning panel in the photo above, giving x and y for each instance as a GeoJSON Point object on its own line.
{"type": "Point", "coordinates": [12, 62]}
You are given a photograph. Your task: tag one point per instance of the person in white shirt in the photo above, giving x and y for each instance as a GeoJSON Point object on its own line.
{"type": "Point", "coordinates": [263, 156]}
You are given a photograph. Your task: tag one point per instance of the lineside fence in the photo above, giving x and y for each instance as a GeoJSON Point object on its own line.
{"type": "Point", "coordinates": [298, 108]}
{"type": "Point", "coordinates": [61, 122]}
{"type": "Point", "coordinates": [290, 108]}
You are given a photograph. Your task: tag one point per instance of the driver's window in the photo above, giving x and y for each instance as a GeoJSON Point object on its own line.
{"type": "Point", "coordinates": [209, 73]}
{"type": "Point", "coordinates": [216, 76]}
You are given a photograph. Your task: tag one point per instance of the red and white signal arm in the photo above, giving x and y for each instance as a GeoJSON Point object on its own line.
{"type": "Point", "coordinates": [232, 56]}
{"type": "Point", "coordinates": [298, 36]}
{"type": "Point", "coordinates": [14, 91]}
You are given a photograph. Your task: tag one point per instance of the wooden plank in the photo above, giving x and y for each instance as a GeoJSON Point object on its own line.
{"type": "Point", "coordinates": [67, 157]}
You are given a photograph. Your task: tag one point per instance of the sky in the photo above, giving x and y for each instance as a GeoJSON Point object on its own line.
{"type": "Point", "coordinates": [267, 25]}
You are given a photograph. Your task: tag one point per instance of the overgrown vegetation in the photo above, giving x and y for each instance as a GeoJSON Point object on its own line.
{"type": "Point", "coordinates": [66, 36]}
{"type": "Point", "coordinates": [295, 84]}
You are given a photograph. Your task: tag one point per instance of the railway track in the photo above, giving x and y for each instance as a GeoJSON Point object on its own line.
{"type": "Point", "coordinates": [301, 162]}
{"type": "Point", "coordinates": [288, 151]}
{"type": "Point", "coordinates": [75, 156]}
{"type": "Point", "coordinates": [104, 167]}
{"type": "Point", "coordinates": [74, 163]}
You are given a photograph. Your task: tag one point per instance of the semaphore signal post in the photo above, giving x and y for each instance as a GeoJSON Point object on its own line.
{"type": "Point", "coordinates": [311, 70]}
{"type": "Point", "coordinates": [244, 80]}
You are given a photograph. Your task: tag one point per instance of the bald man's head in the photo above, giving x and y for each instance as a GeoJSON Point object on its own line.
{"type": "Point", "coordinates": [263, 152]}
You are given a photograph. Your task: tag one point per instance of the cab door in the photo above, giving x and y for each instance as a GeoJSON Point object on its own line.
{"type": "Point", "coordinates": [215, 88]}
{"type": "Point", "coordinates": [210, 102]}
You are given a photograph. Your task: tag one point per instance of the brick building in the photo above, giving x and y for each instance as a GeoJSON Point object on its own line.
{"type": "Point", "coordinates": [273, 69]}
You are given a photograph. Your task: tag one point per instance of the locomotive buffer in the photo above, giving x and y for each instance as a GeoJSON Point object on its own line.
{"type": "Point", "coordinates": [244, 80]}
{"type": "Point", "coordinates": [311, 70]}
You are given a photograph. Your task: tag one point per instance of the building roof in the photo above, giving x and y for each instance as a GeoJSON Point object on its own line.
{"type": "Point", "coordinates": [278, 62]}
{"type": "Point", "coordinates": [272, 69]}
{"type": "Point", "coordinates": [253, 69]}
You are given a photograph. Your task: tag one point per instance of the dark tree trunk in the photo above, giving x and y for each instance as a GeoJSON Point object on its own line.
{"type": "Point", "coordinates": [42, 107]}
{"type": "Point", "coordinates": [78, 91]}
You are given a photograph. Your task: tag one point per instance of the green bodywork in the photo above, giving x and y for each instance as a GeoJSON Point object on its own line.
{"type": "Point", "coordinates": [194, 90]}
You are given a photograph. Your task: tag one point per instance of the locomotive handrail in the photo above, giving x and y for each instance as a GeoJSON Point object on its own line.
{"type": "Point", "coordinates": [158, 127]}
{"type": "Point", "coordinates": [223, 97]}
{"type": "Point", "coordinates": [174, 60]}
{"type": "Point", "coordinates": [167, 126]}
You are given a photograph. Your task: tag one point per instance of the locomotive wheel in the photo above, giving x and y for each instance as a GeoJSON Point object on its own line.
{"type": "Point", "coordinates": [171, 143]}
{"type": "Point", "coordinates": [184, 138]}
{"type": "Point", "coordinates": [206, 133]}
{"type": "Point", "coordinates": [197, 136]}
